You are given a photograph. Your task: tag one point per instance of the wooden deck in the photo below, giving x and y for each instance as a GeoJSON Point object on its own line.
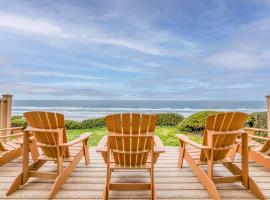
{"type": "Point", "coordinates": [171, 182]}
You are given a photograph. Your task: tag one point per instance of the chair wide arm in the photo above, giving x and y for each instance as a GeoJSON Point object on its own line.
{"type": "Point", "coordinates": [82, 138]}
{"type": "Point", "coordinates": [159, 146]}
{"type": "Point", "coordinates": [102, 144]}
{"type": "Point", "coordinates": [184, 139]}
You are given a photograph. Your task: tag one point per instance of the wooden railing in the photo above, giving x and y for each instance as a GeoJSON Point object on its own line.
{"type": "Point", "coordinates": [268, 110]}
{"type": "Point", "coordinates": [5, 110]}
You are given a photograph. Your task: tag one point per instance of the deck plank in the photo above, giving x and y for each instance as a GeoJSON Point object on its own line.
{"type": "Point", "coordinates": [87, 182]}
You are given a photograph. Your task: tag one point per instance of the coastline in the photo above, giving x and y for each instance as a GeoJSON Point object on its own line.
{"type": "Point", "coordinates": [87, 109]}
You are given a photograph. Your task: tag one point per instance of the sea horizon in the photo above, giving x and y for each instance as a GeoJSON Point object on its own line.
{"type": "Point", "coordinates": [86, 109]}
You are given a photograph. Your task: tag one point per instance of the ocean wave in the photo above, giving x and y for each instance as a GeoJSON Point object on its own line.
{"type": "Point", "coordinates": [78, 113]}
{"type": "Point", "coordinates": [18, 108]}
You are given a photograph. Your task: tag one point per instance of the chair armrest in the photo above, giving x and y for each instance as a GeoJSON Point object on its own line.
{"type": "Point", "coordinates": [11, 135]}
{"type": "Point", "coordinates": [102, 144]}
{"type": "Point", "coordinates": [82, 137]}
{"type": "Point", "coordinates": [11, 129]}
{"type": "Point", "coordinates": [159, 146]}
{"type": "Point", "coordinates": [187, 140]}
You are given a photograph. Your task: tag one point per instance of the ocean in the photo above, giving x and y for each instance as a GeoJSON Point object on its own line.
{"type": "Point", "coordinates": [85, 109]}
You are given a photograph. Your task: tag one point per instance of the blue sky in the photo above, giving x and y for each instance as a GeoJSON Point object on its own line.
{"type": "Point", "coordinates": [126, 49]}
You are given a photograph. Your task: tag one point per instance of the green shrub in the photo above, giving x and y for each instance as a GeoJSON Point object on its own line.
{"type": "Point", "coordinates": [94, 123]}
{"type": "Point", "coordinates": [71, 124]}
{"type": "Point", "coordinates": [18, 121]}
{"type": "Point", "coordinates": [16, 117]}
{"type": "Point", "coordinates": [168, 119]}
{"type": "Point", "coordinates": [195, 123]}
{"type": "Point", "coordinates": [257, 120]}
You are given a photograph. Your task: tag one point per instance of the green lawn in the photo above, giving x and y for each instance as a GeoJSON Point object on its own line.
{"type": "Point", "coordinates": [166, 134]}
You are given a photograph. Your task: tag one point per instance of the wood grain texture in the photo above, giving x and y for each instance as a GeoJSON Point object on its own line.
{"type": "Point", "coordinates": [87, 182]}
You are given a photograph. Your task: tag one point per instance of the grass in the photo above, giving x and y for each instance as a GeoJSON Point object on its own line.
{"type": "Point", "coordinates": [166, 134]}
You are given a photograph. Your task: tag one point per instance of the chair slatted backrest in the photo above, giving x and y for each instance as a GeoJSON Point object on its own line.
{"type": "Point", "coordinates": [48, 120]}
{"type": "Point", "coordinates": [229, 121]}
{"type": "Point", "coordinates": [131, 137]}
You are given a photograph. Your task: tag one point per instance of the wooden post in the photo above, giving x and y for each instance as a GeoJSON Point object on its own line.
{"type": "Point", "coordinates": [268, 111]}
{"type": "Point", "coordinates": [8, 98]}
{"type": "Point", "coordinates": [5, 111]}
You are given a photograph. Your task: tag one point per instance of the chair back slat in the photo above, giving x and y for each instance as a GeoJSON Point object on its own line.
{"type": "Point", "coordinates": [135, 123]}
{"type": "Point", "coordinates": [48, 120]}
{"type": "Point", "coordinates": [229, 121]}
{"type": "Point", "coordinates": [129, 141]}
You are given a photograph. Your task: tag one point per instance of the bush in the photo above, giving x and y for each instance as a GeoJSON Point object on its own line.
{"type": "Point", "coordinates": [16, 117]}
{"type": "Point", "coordinates": [195, 122]}
{"type": "Point", "coordinates": [94, 123]}
{"type": "Point", "coordinates": [17, 121]}
{"type": "Point", "coordinates": [71, 124]}
{"type": "Point", "coordinates": [257, 120]}
{"type": "Point", "coordinates": [168, 119]}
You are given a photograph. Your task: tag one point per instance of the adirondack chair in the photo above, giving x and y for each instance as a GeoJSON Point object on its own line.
{"type": "Point", "coordinates": [220, 134]}
{"type": "Point", "coordinates": [259, 147]}
{"type": "Point", "coordinates": [49, 131]}
{"type": "Point", "coordinates": [158, 147]}
{"type": "Point", "coordinates": [130, 146]}
{"type": "Point", "coordinates": [11, 145]}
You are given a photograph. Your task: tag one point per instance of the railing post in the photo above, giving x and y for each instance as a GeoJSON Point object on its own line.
{"type": "Point", "coordinates": [8, 98]}
{"type": "Point", "coordinates": [268, 111]}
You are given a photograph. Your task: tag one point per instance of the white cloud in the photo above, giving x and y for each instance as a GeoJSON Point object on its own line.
{"type": "Point", "coordinates": [247, 48]}
{"type": "Point", "coordinates": [149, 41]}
{"type": "Point", "coordinates": [238, 59]}
{"type": "Point", "coordinates": [33, 25]}
{"type": "Point", "coordinates": [62, 75]}
{"type": "Point", "coordinates": [126, 68]}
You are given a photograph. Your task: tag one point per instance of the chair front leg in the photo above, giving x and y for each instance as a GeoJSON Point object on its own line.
{"type": "Point", "coordinates": [182, 149]}
{"type": "Point", "coordinates": [34, 150]}
{"type": "Point", "coordinates": [210, 164]}
{"type": "Point", "coordinates": [86, 152]}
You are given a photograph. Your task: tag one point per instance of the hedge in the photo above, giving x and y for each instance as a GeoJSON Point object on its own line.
{"type": "Point", "coordinates": [195, 123]}
{"type": "Point", "coordinates": [94, 123]}
{"type": "Point", "coordinates": [168, 119]}
{"type": "Point", "coordinates": [72, 124]}
{"type": "Point", "coordinates": [257, 120]}
{"type": "Point", "coordinates": [18, 121]}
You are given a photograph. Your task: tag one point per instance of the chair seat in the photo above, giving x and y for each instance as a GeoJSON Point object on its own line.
{"type": "Point", "coordinates": [195, 153]}
{"type": "Point", "coordinates": [73, 152]}
{"type": "Point", "coordinates": [115, 166]}
{"type": "Point", "coordinates": [11, 145]}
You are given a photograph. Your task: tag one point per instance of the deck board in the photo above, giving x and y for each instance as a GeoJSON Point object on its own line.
{"type": "Point", "coordinates": [87, 182]}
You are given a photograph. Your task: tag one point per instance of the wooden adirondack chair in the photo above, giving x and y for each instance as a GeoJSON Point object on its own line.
{"type": "Point", "coordinates": [130, 147]}
{"type": "Point", "coordinates": [11, 145]}
{"type": "Point", "coordinates": [158, 147]}
{"type": "Point", "coordinates": [259, 147]}
{"type": "Point", "coordinates": [49, 131]}
{"type": "Point", "coordinates": [220, 134]}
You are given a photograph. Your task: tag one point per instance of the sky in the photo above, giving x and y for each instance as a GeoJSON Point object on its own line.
{"type": "Point", "coordinates": [135, 49]}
